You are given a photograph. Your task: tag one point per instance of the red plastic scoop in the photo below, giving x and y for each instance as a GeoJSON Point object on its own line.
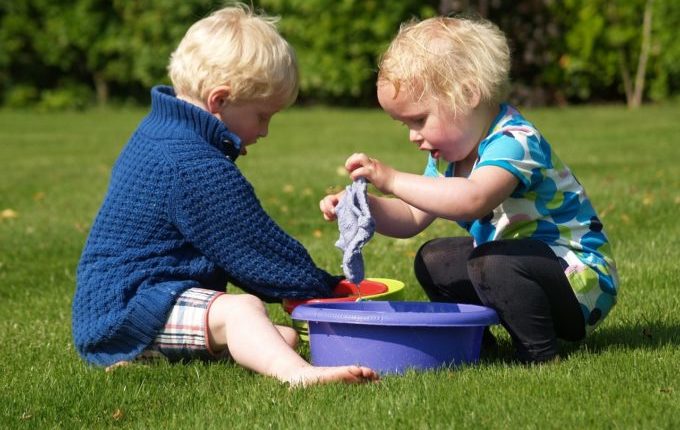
{"type": "Point", "coordinates": [345, 291]}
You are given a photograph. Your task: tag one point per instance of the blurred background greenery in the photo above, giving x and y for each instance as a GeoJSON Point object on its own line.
{"type": "Point", "coordinates": [74, 54]}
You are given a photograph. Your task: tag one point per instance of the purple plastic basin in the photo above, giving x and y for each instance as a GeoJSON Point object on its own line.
{"type": "Point", "coordinates": [392, 337]}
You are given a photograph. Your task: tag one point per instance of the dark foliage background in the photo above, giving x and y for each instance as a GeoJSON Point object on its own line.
{"type": "Point", "coordinates": [58, 54]}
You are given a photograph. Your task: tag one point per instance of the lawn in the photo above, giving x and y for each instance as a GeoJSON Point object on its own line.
{"type": "Point", "coordinates": [54, 170]}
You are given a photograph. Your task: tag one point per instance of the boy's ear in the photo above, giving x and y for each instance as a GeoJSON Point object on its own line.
{"type": "Point", "coordinates": [217, 98]}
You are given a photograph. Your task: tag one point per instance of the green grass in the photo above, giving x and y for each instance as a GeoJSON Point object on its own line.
{"type": "Point", "coordinates": [53, 174]}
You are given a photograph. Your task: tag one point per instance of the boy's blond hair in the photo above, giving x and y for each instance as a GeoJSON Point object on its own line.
{"type": "Point", "coordinates": [449, 59]}
{"type": "Point", "coordinates": [236, 47]}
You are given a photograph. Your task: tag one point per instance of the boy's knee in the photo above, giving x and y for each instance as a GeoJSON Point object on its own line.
{"type": "Point", "coordinates": [249, 302]}
{"type": "Point", "coordinates": [234, 304]}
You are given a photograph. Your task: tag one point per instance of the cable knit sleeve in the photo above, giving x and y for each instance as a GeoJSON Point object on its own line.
{"type": "Point", "coordinates": [216, 209]}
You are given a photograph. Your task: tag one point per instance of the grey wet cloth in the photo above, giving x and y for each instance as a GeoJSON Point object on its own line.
{"type": "Point", "coordinates": [356, 228]}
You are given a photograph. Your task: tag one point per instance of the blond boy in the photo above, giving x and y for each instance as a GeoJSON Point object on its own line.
{"type": "Point", "coordinates": [180, 220]}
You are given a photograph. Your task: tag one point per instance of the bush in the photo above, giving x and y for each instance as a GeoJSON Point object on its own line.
{"type": "Point", "coordinates": [338, 43]}
{"type": "Point", "coordinates": [71, 96]}
{"type": "Point", "coordinates": [21, 96]}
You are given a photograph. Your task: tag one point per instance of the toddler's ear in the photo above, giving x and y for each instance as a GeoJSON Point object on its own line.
{"type": "Point", "coordinates": [472, 93]}
{"type": "Point", "coordinates": [218, 97]}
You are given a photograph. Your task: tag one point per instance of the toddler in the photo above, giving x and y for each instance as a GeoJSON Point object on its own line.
{"type": "Point", "coordinates": [179, 220]}
{"type": "Point", "coordinates": [538, 253]}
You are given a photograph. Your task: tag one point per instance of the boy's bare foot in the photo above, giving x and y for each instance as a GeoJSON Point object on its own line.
{"type": "Point", "coordinates": [311, 375]}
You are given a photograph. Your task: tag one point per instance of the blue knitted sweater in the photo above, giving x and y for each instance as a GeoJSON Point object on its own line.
{"type": "Point", "coordinates": [178, 214]}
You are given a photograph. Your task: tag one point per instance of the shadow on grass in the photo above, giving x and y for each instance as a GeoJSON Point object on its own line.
{"type": "Point", "coordinates": [650, 335]}
{"type": "Point", "coordinates": [647, 336]}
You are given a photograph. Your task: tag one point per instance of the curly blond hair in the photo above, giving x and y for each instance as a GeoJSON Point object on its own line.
{"type": "Point", "coordinates": [235, 46]}
{"type": "Point", "coordinates": [450, 59]}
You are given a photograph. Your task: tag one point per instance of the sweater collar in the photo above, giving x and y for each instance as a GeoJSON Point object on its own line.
{"type": "Point", "coordinates": [166, 108]}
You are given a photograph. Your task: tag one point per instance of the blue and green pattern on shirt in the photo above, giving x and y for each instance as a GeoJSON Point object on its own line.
{"type": "Point", "coordinates": [550, 205]}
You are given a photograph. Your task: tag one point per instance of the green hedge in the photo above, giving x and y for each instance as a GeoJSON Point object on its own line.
{"type": "Point", "coordinates": [58, 54]}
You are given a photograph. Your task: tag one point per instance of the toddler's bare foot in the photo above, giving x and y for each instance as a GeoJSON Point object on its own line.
{"type": "Point", "coordinates": [117, 365]}
{"type": "Point", "coordinates": [323, 375]}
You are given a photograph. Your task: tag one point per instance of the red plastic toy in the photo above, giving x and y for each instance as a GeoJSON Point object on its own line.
{"type": "Point", "coordinates": [345, 291]}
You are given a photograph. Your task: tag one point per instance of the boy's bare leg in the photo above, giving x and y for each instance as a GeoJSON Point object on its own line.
{"type": "Point", "coordinates": [288, 334]}
{"type": "Point", "coordinates": [239, 322]}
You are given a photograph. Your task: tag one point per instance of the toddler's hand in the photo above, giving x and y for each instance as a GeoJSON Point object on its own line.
{"type": "Point", "coordinates": [328, 204]}
{"type": "Point", "coordinates": [379, 174]}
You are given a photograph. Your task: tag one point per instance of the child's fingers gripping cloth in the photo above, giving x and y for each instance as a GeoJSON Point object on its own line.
{"type": "Point", "coordinates": [356, 228]}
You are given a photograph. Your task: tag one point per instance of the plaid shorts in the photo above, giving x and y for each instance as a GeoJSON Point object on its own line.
{"type": "Point", "coordinates": [185, 335]}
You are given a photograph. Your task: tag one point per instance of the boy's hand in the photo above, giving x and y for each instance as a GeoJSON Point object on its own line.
{"type": "Point", "coordinates": [328, 204]}
{"type": "Point", "coordinates": [379, 174]}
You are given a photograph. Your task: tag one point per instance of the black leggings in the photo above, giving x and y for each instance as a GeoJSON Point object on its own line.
{"type": "Point", "coordinates": [521, 279]}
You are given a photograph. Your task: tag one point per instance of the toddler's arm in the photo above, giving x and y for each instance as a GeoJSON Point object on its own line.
{"type": "Point", "coordinates": [396, 218]}
{"type": "Point", "coordinates": [458, 199]}
{"type": "Point", "coordinates": [392, 216]}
